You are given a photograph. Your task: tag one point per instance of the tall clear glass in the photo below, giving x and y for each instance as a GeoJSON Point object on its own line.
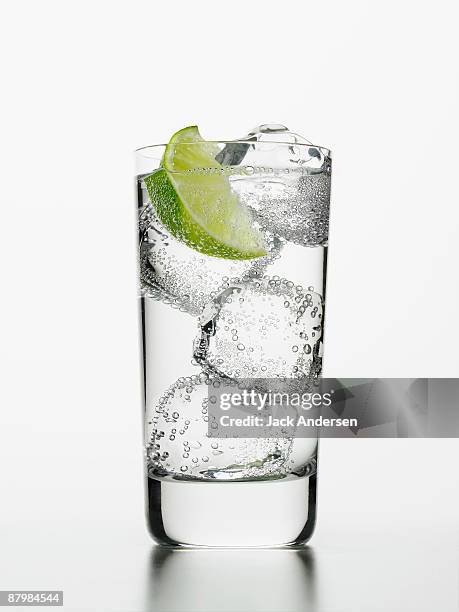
{"type": "Point", "coordinates": [235, 492]}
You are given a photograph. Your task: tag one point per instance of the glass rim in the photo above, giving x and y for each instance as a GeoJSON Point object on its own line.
{"type": "Point", "coordinates": [324, 150]}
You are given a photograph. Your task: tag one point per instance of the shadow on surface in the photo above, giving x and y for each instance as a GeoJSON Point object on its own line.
{"type": "Point", "coordinates": [231, 580]}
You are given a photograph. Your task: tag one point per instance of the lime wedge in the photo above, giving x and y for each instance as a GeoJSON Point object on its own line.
{"type": "Point", "coordinates": [194, 201]}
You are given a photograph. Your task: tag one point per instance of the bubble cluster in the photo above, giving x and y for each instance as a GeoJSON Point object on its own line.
{"type": "Point", "coordinates": [294, 204]}
{"type": "Point", "coordinates": [181, 447]}
{"type": "Point", "coordinates": [185, 279]}
{"type": "Point", "coordinates": [265, 328]}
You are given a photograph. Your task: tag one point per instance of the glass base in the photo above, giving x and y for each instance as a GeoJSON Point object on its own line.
{"type": "Point", "coordinates": [270, 513]}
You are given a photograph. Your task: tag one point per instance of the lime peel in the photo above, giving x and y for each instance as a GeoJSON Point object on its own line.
{"type": "Point", "coordinates": [200, 209]}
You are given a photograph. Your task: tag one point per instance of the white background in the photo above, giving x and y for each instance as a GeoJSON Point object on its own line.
{"type": "Point", "coordinates": [85, 83]}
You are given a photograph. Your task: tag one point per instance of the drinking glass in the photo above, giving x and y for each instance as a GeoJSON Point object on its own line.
{"type": "Point", "coordinates": [211, 313]}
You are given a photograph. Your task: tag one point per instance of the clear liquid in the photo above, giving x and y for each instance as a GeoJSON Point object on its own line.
{"type": "Point", "coordinates": [180, 294]}
{"type": "Point", "coordinates": [232, 514]}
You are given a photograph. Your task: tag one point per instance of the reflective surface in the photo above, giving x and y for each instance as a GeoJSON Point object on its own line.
{"type": "Point", "coordinates": [231, 580]}
{"type": "Point", "coordinates": [386, 539]}
{"type": "Point", "coordinates": [112, 567]}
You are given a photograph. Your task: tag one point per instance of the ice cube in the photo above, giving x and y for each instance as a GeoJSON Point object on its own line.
{"type": "Point", "coordinates": [234, 152]}
{"type": "Point", "coordinates": [176, 274]}
{"type": "Point", "coordinates": [180, 444]}
{"type": "Point", "coordinates": [264, 150]}
{"type": "Point", "coordinates": [294, 205]}
{"type": "Point", "coordinates": [275, 132]}
{"type": "Point", "coordinates": [285, 180]}
{"type": "Point", "coordinates": [302, 456]}
{"type": "Point", "coordinates": [261, 328]}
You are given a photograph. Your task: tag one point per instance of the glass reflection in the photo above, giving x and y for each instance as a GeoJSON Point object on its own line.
{"type": "Point", "coordinates": [245, 580]}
